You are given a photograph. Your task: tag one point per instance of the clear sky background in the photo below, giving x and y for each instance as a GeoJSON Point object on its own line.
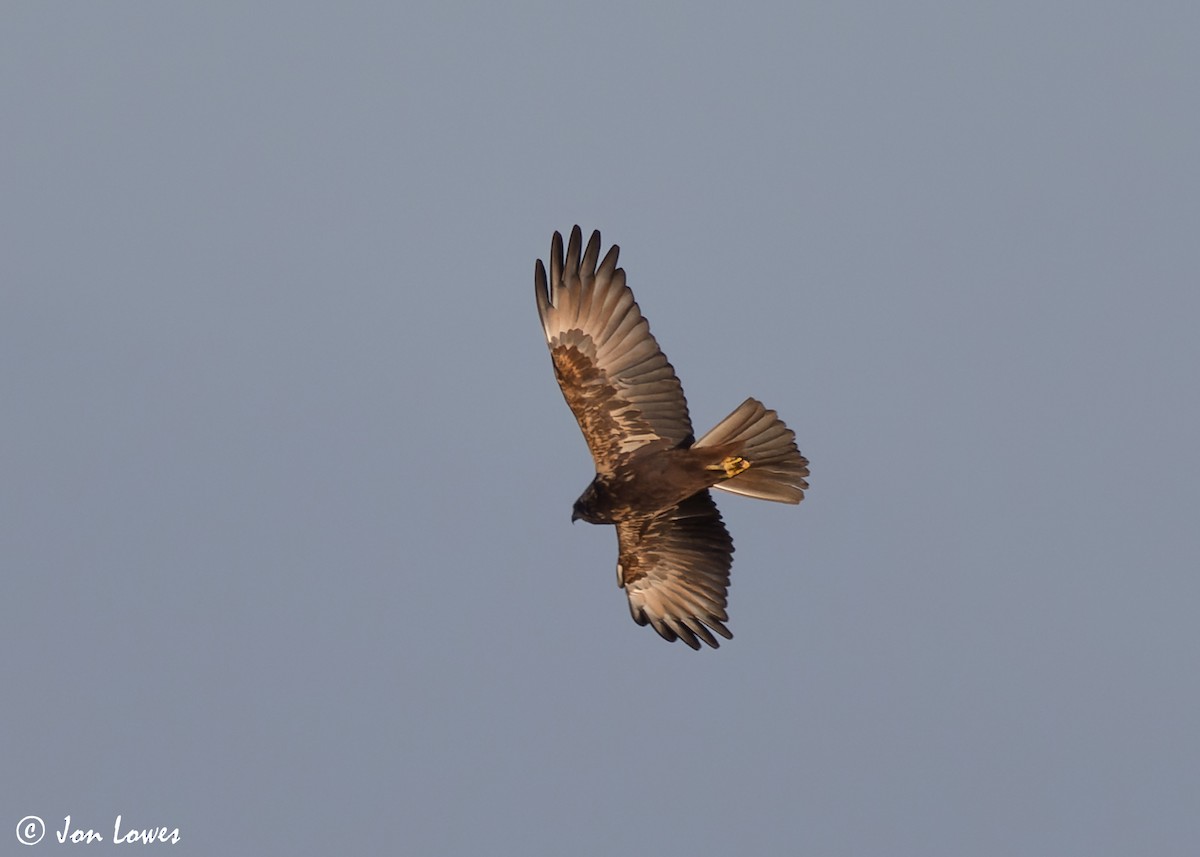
{"type": "Point", "coordinates": [286, 480]}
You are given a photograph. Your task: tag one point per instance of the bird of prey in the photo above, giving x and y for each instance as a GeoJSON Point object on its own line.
{"type": "Point", "coordinates": [652, 475]}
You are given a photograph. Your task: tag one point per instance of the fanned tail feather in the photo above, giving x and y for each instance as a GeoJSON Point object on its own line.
{"type": "Point", "coordinates": [777, 469]}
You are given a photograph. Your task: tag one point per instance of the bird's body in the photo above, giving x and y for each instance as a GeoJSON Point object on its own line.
{"type": "Point", "coordinates": [649, 480]}
{"type": "Point", "coordinates": [652, 475]}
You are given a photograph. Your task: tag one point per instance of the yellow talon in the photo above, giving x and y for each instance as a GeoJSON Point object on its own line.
{"type": "Point", "coordinates": [733, 465]}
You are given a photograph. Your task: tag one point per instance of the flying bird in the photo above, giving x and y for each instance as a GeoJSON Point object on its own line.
{"type": "Point", "coordinates": [652, 475]}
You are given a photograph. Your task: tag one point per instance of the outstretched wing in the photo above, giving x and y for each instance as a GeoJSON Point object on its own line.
{"type": "Point", "coordinates": [617, 381]}
{"type": "Point", "coordinates": [675, 569]}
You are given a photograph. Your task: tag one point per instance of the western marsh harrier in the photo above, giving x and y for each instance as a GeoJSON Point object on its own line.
{"type": "Point", "coordinates": [652, 475]}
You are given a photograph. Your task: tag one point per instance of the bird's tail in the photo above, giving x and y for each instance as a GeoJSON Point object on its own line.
{"type": "Point", "coordinates": [773, 468]}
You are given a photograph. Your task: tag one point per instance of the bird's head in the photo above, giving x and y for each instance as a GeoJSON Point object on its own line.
{"type": "Point", "coordinates": [590, 506]}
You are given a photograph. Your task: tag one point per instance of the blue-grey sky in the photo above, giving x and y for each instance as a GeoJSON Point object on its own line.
{"type": "Point", "coordinates": [286, 480]}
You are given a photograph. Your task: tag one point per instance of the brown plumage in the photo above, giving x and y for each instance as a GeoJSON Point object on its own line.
{"type": "Point", "coordinates": [652, 476]}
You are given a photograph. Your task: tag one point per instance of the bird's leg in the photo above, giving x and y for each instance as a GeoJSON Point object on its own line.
{"type": "Point", "coordinates": [732, 466]}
